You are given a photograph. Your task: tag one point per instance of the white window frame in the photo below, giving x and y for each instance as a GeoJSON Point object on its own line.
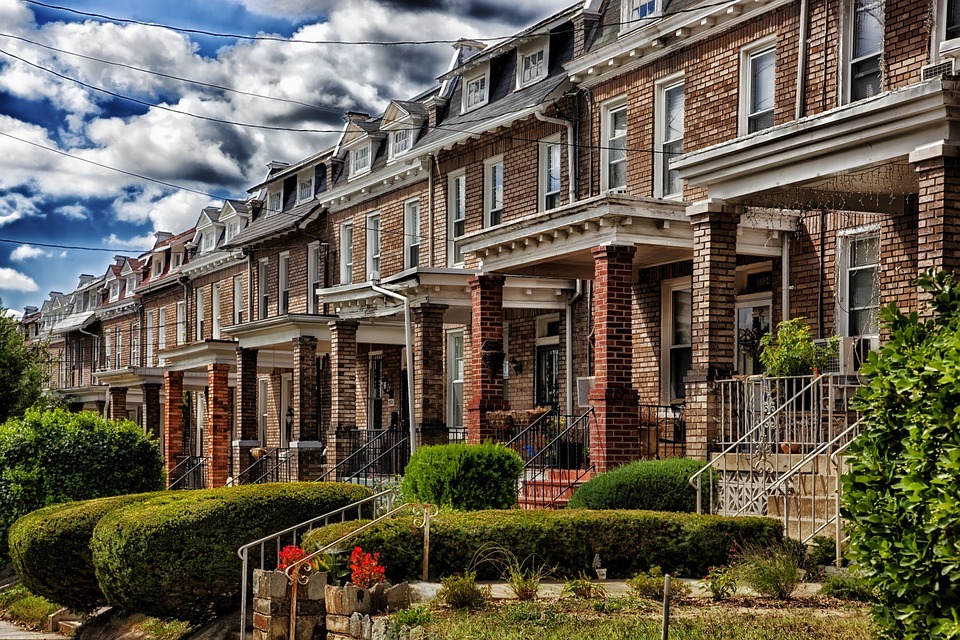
{"type": "Point", "coordinates": [547, 148]}
{"type": "Point", "coordinates": [283, 283]}
{"type": "Point", "coordinates": [636, 13]}
{"type": "Point", "coordinates": [668, 287]}
{"type": "Point", "coordinates": [134, 344]}
{"type": "Point", "coordinates": [747, 55]}
{"type": "Point", "coordinates": [360, 160]}
{"type": "Point", "coordinates": [215, 309]}
{"type": "Point", "coordinates": [541, 48]}
{"type": "Point", "coordinates": [150, 340]}
{"type": "Point", "coordinates": [411, 233]}
{"type": "Point", "coordinates": [845, 237]}
{"type": "Point", "coordinates": [131, 283]}
{"type": "Point", "coordinates": [401, 141]}
{"type": "Point", "coordinates": [207, 240]}
{"type": "Point", "coordinates": [161, 329]}
{"type": "Point", "coordinates": [263, 288]}
{"type": "Point", "coordinates": [274, 202]}
{"type": "Point", "coordinates": [456, 369]}
{"type": "Point", "coordinates": [457, 217]}
{"type": "Point", "coordinates": [476, 98]}
{"type": "Point", "coordinates": [200, 312]}
{"type": "Point", "coordinates": [107, 351]}
{"type": "Point", "coordinates": [119, 347]}
{"type": "Point", "coordinates": [313, 276]}
{"type": "Point", "coordinates": [661, 166]}
{"type": "Point", "coordinates": [233, 228]}
{"type": "Point", "coordinates": [304, 189]}
{"type": "Point", "coordinates": [177, 259]}
{"type": "Point", "coordinates": [114, 290]}
{"type": "Point", "coordinates": [492, 209]}
{"type": "Point", "coordinates": [373, 242]}
{"type": "Point", "coordinates": [847, 52]}
{"type": "Point", "coordinates": [156, 265]}
{"type": "Point", "coordinates": [263, 408]}
{"type": "Point", "coordinates": [346, 253]}
{"type": "Point", "coordinates": [237, 299]}
{"type": "Point", "coordinates": [608, 109]}
{"type": "Point", "coordinates": [943, 43]}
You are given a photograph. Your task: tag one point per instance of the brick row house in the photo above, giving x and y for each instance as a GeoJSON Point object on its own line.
{"type": "Point", "coordinates": [603, 212]}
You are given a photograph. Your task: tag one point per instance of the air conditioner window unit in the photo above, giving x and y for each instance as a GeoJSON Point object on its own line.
{"type": "Point", "coordinates": [853, 352]}
{"type": "Point", "coordinates": [584, 385]}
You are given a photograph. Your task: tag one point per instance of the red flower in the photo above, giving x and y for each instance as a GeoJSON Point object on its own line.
{"type": "Point", "coordinates": [289, 555]}
{"type": "Point", "coordinates": [366, 568]}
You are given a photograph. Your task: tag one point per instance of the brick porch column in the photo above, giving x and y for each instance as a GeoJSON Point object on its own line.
{"type": "Point", "coordinates": [247, 432]}
{"type": "Point", "coordinates": [216, 434]}
{"type": "Point", "coordinates": [486, 355]}
{"type": "Point", "coordinates": [938, 224]}
{"type": "Point", "coordinates": [151, 408]}
{"type": "Point", "coordinates": [305, 421]}
{"type": "Point", "coordinates": [173, 419]}
{"type": "Point", "coordinates": [118, 403]}
{"type": "Point", "coordinates": [428, 367]}
{"type": "Point", "coordinates": [343, 382]}
{"type": "Point", "coordinates": [613, 435]}
{"type": "Point", "coordinates": [713, 316]}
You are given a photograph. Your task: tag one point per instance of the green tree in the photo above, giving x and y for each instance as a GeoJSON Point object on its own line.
{"type": "Point", "coordinates": [22, 369]}
{"type": "Point", "coordinates": [901, 492]}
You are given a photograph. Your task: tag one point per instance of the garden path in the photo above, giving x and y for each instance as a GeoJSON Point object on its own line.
{"type": "Point", "coordinates": [10, 631]}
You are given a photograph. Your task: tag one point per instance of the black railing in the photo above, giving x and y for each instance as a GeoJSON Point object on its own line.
{"type": "Point", "coordinates": [526, 439]}
{"type": "Point", "coordinates": [275, 465]}
{"type": "Point", "coordinates": [457, 435]}
{"type": "Point", "coordinates": [662, 431]}
{"type": "Point", "coordinates": [368, 456]}
{"type": "Point", "coordinates": [190, 473]}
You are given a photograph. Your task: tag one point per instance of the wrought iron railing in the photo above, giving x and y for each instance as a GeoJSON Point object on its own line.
{"type": "Point", "coordinates": [276, 465]}
{"type": "Point", "coordinates": [663, 431]}
{"type": "Point", "coordinates": [368, 456]}
{"type": "Point", "coordinates": [190, 473]}
{"type": "Point", "coordinates": [264, 553]}
{"type": "Point", "coordinates": [527, 440]}
{"type": "Point", "coordinates": [457, 435]}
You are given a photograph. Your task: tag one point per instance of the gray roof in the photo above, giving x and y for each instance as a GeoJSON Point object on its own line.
{"type": "Point", "coordinates": [268, 225]}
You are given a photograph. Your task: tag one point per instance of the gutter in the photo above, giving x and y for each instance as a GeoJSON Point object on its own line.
{"type": "Point", "coordinates": [571, 151]}
{"type": "Point", "coordinates": [408, 339]}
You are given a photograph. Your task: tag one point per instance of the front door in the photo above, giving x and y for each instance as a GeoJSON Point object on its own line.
{"type": "Point", "coordinates": [375, 391]}
{"type": "Point", "coordinates": [548, 379]}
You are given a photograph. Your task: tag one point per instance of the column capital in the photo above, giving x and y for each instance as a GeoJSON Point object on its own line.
{"type": "Point", "coordinates": [484, 280]}
{"type": "Point", "coordinates": [935, 150]}
{"type": "Point", "coordinates": [613, 249]}
{"type": "Point", "coordinates": [703, 210]}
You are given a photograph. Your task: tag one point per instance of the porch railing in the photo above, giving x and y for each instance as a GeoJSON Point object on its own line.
{"type": "Point", "coordinates": [663, 431]}
{"type": "Point", "coordinates": [276, 465]}
{"type": "Point", "coordinates": [190, 473]}
{"type": "Point", "coordinates": [368, 456]}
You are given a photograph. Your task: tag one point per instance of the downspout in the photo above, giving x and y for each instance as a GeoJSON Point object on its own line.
{"type": "Point", "coordinates": [408, 339]}
{"type": "Point", "coordinates": [801, 107]}
{"type": "Point", "coordinates": [571, 151]}
{"type": "Point", "coordinates": [569, 344]}
{"type": "Point", "coordinates": [785, 278]}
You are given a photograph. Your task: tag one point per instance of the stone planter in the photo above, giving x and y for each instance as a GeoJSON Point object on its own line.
{"type": "Point", "coordinates": [271, 606]}
{"type": "Point", "coordinates": [359, 614]}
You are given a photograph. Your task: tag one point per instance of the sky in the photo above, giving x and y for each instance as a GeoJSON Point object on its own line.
{"type": "Point", "coordinates": [91, 84]}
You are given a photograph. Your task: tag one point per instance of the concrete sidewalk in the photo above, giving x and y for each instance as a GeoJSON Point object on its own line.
{"type": "Point", "coordinates": [9, 631]}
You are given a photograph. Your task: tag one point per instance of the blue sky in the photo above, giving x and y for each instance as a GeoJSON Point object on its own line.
{"type": "Point", "coordinates": [52, 198]}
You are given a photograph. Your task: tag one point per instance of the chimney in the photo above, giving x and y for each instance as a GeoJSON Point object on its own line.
{"type": "Point", "coordinates": [468, 48]}
{"type": "Point", "coordinates": [84, 279]}
{"type": "Point", "coordinates": [356, 116]}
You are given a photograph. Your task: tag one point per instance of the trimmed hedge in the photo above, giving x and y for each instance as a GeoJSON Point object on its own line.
{"type": "Point", "coordinates": [657, 485]}
{"type": "Point", "coordinates": [464, 476]}
{"type": "Point", "coordinates": [50, 549]}
{"type": "Point", "coordinates": [627, 541]}
{"type": "Point", "coordinates": [175, 556]}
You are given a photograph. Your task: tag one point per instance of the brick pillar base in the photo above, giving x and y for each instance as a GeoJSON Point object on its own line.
{"type": "Point", "coordinates": [216, 435]}
{"type": "Point", "coordinates": [118, 403]}
{"type": "Point", "coordinates": [938, 237]}
{"type": "Point", "coordinates": [173, 419]}
{"type": "Point", "coordinates": [486, 355]}
{"type": "Point", "coordinates": [151, 409]}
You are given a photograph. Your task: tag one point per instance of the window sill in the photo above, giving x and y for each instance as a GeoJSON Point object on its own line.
{"type": "Point", "coordinates": [950, 48]}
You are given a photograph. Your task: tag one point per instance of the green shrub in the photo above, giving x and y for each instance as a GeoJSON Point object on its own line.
{"type": "Point", "coordinates": [823, 552]}
{"type": "Point", "coordinates": [900, 494]}
{"type": "Point", "coordinates": [583, 588]}
{"type": "Point", "coordinates": [771, 571]}
{"type": "Point", "coordinates": [27, 609]}
{"type": "Point", "coordinates": [464, 476]}
{"type": "Point", "coordinates": [657, 485]}
{"type": "Point", "coordinates": [565, 540]}
{"type": "Point", "coordinates": [49, 457]}
{"type": "Point", "coordinates": [462, 592]}
{"type": "Point", "coordinates": [649, 584]}
{"type": "Point", "coordinates": [721, 582]}
{"type": "Point", "coordinates": [45, 542]}
{"type": "Point", "coordinates": [176, 555]}
{"type": "Point", "coordinates": [847, 585]}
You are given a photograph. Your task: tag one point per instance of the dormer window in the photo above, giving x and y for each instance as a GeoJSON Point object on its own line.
{"type": "Point", "coordinates": [177, 259]}
{"type": "Point", "coordinates": [233, 228]}
{"type": "Point", "coordinates": [274, 202]}
{"type": "Point", "coordinates": [359, 161]}
{"type": "Point", "coordinates": [532, 65]}
{"type": "Point", "coordinates": [157, 265]}
{"type": "Point", "coordinates": [206, 243]}
{"type": "Point", "coordinates": [475, 92]}
{"type": "Point", "coordinates": [131, 284]}
{"type": "Point", "coordinates": [306, 189]}
{"type": "Point", "coordinates": [635, 10]}
{"type": "Point", "coordinates": [114, 291]}
{"type": "Point", "coordinates": [400, 142]}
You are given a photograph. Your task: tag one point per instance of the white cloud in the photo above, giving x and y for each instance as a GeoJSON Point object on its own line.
{"type": "Point", "coordinates": [26, 252]}
{"type": "Point", "coordinates": [15, 206]}
{"type": "Point", "coordinates": [15, 281]}
{"type": "Point", "coordinates": [135, 243]}
{"type": "Point", "coordinates": [72, 211]}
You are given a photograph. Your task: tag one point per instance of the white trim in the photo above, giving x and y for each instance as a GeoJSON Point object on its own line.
{"type": "Point", "coordinates": [456, 196]}
{"type": "Point", "coordinates": [453, 378]}
{"type": "Point", "coordinates": [607, 108]}
{"type": "Point", "coordinates": [313, 276]}
{"type": "Point", "coordinates": [641, 7]}
{"type": "Point", "coordinates": [357, 168]}
{"type": "Point", "coordinates": [541, 47]}
{"type": "Point", "coordinates": [482, 74]}
{"type": "Point", "coordinates": [215, 310]}
{"type": "Point", "coordinates": [263, 288]}
{"type": "Point", "coordinates": [541, 339]}
{"type": "Point", "coordinates": [844, 239]}
{"type": "Point", "coordinates": [283, 282]}
{"type": "Point", "coordinates": [667, 288]}
{"type": "Point", "coordinates": [488, 209]}
{"type": "Point", "coordinates": [200, 311]}
{"type": "Point", "coordinates": [305, 179]}
{"type": "Point", "coordinates": [408, 134]}
{"type": "Point", "coordinates": [664, 85]}
{"type": "Point", "coordinates": [411, 232]}
{"type": "Point", "coordinates": [546, 147]}
{"type": "Point", "coordinates": [238, 306]}
{"type": "Point", "coordinates": [181, 322]}
{"type": "Point", "coordinates": [747, 55]}
{"type": "Point", "coordinates": [346, 253]}
{"type": "Point", "coordinates": [374, 244]}
{"type": "Point", "coordinates": [161, 328]}
{"type": "Point", "coordinates": [847, 61]}
{"type": "Point", "coordinates": [150, 340]}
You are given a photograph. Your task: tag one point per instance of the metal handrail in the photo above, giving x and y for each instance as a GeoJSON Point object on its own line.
{"type": "Point", "coordinates": [778, 485]}
{"type": "Point", "coordinates": [258, 462]}
{"type": "Point", "coordinates": [533, 425]}
{"type": "Point", "coordinates": [362, 449]}
{"type": "Point", "coordinates": [200, 462]}
{"type": "Point", "coordinates": [371, 463]}
{"type": "Point", "coordinates": [387, 496]}
{"type": "Point", "coordinates": [541, 469]}
{"type": "Point", "coordinates": [280, 462]}
{"type": "Point", "coordinates": [835, 461]}
{"type": "Point", "coordinates": [296, 578]}
{"type": "Point", "coordinates": [696, 480]}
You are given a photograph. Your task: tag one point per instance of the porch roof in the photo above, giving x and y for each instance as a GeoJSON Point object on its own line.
{"type": "Point", "coordinates": [130, 376]}
{"type": "Point", "coordinates": [279, 332]}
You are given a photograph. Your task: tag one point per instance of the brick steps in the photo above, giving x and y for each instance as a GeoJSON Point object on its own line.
{"type": "Point", "coordinates": [553, 489]}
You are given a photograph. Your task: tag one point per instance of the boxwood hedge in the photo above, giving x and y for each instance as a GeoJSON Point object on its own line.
{"type": "Point", "coordinates": [50, 549]}
{"type": "Point", "coordinates": [464, 476]}
{"type": "Point", "coordinates": [658, 485]}
{"type": "Point", "coordinates": [176, 555]}
{"type": "Point", "coordinates": [627, 541]}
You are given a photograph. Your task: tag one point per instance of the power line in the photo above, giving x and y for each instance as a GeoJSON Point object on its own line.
{"type": "Point", "coordinates": [48, 245]}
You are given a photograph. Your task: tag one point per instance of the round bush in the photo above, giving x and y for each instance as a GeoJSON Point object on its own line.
{"type": "Point", "coordinates": [566, 540]}
{"type": "Point", "coordinates": [657, 485]}
{"type": "Point", "coordinates": [464, 476]}
{"type": "Point", "coordinates": [49, 457]}
{"type": "Point", "coordinates": [50, 549]}
{"type": "Point", "coordinates": [175, 556]}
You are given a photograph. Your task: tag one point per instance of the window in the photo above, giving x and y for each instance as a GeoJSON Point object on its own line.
{"type": "Point", "coordinates": [547, 377]}
{"type": "Point", "coordinates": [283, 283]}
{"type": "Point", "coordinates": [107, 351]}
{"type": "Point", "coordinates": [200, 315]}
{"type": "Point", "coordinates": [953, 19]}
{"type": "Point", "coordinates": [178, 259]}
{"type": "Point", "coordinates": [119, 347]}
{"type": "Point", "coordinates": [669, 137]}
{"type": "Point", "coordinates": [262, 408]}
{"type": "Point", "coordinates": [360, 160]}
{"type": "Point", "coordinates": [455, 372]}
{"type": "Point", "coordinates": [274, 202]}
{"type": "Point", "coordinates": [134, 345]}
{"type": "Point", "coordinates": [150, 340]}
{"type": "Point", "coordinates": [373, 247]}
{"type": "Point", "coordinates": [475, 92]}
{"type": "Point", "coordinates": [306, 189]}
{"type": "Point", "coordinates": [263, 288]}
{"type": "Point", "coordinates": [114, 291]}
{"type": "Point", "coordinates": [162, 329]}
{"type": "Point", "coordinates": [346, 253]}
{"type": "Point", "coordinates": [233, 228]}
{"type": "Point", "coordinates": [532, 67]}
{"type": "Point", "coordinates": [550, 174]}
{"type": "Point", "coordinates": [858, 294]}
{"type": "Point", "coordinates": [215, 310]}
{"type": "Point", "coordinates": [758, 76]}
{"type": "Point", "coordinates": [400, 142]}
{"type": "Point", "coordinates": [313, 277]}
{"type": "Point", "coordinates": [633, 12]}
{"type": "Point", "coordinates": [207, 240]}
{"type": "Point", "coordinates": [411, 234]}
{"type": "Point", "coordinates": [677, 336]}
{"type": "Point", "coordinates": [131, 284]}
{"type": "Point", "coordinates": [615, 146]}
{"type": "Point", "coordinates": [865, 47]}
{"type": "Point", "coordinates": [457, 191]}
{"type": "Point", "coordinates": [493, 191]}
{"type": "Point", "coordinates": [156, 266]}
{"type": "Point", "coordinates": [238, 299]}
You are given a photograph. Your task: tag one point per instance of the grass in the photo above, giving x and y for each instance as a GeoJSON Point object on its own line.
{"type": "Point", "coordinates": [634, 619]}
{"type": "Point", "coordinates": [19, 605]}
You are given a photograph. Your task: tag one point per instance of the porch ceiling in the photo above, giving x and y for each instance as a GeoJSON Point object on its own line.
{"type": "Point", "coordinates": [279, 332]}
{"type": "Point", "coordinates": [196, 356]}
{"type": "Point", "coordinates": [130, 376]}
{"type": "Point", "coordinates": [852, 157]}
